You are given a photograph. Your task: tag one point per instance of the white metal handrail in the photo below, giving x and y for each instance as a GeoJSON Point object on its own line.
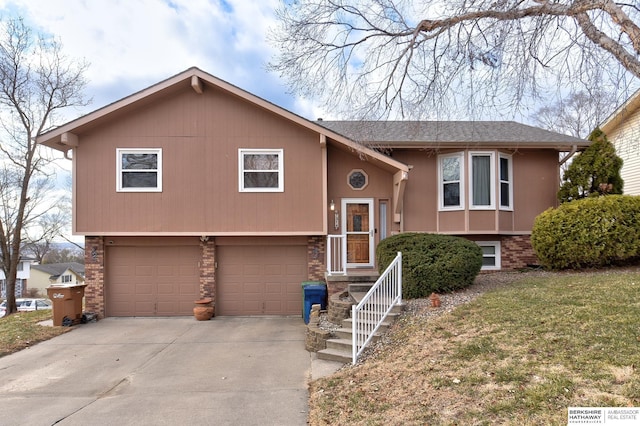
{"type": "Point", "coordinates": [368, 315]}
{"type": "Point", "coordinates": [336, 254]}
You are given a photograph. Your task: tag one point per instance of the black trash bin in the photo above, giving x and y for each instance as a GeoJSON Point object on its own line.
{"type": "Point", "coordinates": [312, 295]}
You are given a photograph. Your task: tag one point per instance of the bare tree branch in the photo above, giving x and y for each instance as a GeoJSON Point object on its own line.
{"type": "Point", "coordinates": [404, 58]}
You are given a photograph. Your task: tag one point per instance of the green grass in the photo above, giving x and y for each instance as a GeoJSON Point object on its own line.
{"type": "Point", "coordinates": [21, 330]}
{"type": "Point", "coordinates": [519, 355]}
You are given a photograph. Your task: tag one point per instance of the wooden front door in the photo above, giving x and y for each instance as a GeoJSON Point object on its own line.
{"type": "Point", "coordinates": [357, 222]}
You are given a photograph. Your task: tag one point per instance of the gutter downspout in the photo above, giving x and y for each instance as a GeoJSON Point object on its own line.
{"type": "Point", "coordinates": [574, 149]}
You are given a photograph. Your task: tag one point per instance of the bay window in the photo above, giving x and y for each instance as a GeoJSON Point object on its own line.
{"type": "Point", "coordinates": [506, 176]}
{"type": "Point", "coordinates": [482, 180]}
{"type": "Point", "coordinates": [451, 178]}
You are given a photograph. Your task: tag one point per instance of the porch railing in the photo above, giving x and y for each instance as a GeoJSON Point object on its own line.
{"type": "Point", "coordinates": [336, 254]}
{"type": "Point", "coordinates": [368, 315]}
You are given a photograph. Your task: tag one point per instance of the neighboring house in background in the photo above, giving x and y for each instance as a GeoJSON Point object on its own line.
{"type": "Point", "coordinates": [23, 275]}
{"type": "Point", "coordinates": [623, 131]}
{"type": "Point", "coordinates": [194, 187]}
{"type": "Point", "coordinates": [42, 276]}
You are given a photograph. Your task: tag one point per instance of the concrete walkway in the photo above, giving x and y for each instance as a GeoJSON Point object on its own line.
{"type": "Point", "coordinates": [164, 371]}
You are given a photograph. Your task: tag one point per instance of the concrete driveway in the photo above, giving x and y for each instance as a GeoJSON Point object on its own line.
{"type": "Point", "coordinates": [164, 371]}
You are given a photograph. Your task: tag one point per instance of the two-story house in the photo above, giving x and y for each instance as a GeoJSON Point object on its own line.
{"type": "Point", "coordinates": [22, 277]}
{"type": "Point", "coordinates": [194, 187]}
{"type": "Point", "coordinates": [43, 276]}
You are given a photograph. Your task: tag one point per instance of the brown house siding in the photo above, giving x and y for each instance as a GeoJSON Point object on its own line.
{"type": "Point", "coordinates": [199, 136]}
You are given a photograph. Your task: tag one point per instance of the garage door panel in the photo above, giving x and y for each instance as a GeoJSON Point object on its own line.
{"type": "Point", "coordinates": [269, 282]}
{"type": "Point", "coordinates": [151, 281]}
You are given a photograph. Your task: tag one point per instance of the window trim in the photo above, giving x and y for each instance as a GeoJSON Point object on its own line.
{"type": "Point", "coordinates": [492, 180]}
{"type": "Point", "coordinates": [243, 151]}
{"type": "Point", "coordinates": [461, 182]}
{"type": "Point", "coordinates": [119, 170]}
{"type": "Point", "coordinates": [509, 158]}
{"type": "Point", "coordinates": [498, 255]}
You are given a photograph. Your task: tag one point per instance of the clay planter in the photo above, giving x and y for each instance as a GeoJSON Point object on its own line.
{"type": "Point", "coordinates": [203, 311]}
{"type": "Point", "coordinates": [435, 300]}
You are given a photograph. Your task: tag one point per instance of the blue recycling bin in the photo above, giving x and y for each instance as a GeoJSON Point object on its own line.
{"type": "Point", "coordinates": [312, 295]}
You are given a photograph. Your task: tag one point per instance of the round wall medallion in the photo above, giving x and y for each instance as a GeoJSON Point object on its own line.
{"type": "Point", "coordinates": [358, 179]}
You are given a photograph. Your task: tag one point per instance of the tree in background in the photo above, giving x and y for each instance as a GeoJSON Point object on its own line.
{"type": "Point", "coordinates": [594, 172]}
{"type": "Point", "coordinates": [377, 58]}
{"type": "Point", "coordinates": [36, 81]}
{"type": "Point", "coordinates": [578, 114]}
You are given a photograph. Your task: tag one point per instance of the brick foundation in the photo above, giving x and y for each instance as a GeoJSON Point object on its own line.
{"type": "Point", "coordinates": [94, 275]}
{"type": "Point", "coordinates": [517, 252]}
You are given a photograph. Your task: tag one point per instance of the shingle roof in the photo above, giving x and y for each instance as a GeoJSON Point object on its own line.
{"type": "Point", "coordinates": [56, 269]}
{"type": "Point", "coordinates": [421, 133]}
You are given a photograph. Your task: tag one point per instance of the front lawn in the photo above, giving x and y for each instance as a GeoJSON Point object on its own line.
{"type": "Point", "coordinates": [521, 354]}
{"type": "Point", "coordinates": [21, 330]}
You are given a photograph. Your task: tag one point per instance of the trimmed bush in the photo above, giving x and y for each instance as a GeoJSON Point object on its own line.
{"type": "Point", "coordinates": [431, 262]}
{"type": "Point", "coordinates": [589, 233]}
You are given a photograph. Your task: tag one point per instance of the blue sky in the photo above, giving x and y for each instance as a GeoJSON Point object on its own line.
{"type": "Point", "coordinates": [132, 44]}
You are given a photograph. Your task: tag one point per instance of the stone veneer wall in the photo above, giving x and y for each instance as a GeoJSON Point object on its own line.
{"type": "Point", "coordinates": [339, 307]}
{"type": "Point", "coordinates": [316, 338]}
{"type": "Point", "coordinates": [94, 275]}
{"type": "Point", "coordinates": [517, 252]}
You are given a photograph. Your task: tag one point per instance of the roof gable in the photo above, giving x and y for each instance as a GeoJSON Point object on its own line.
{"type": "Point", "coordinates": [57, 269]}
{"type": "Point", "coordinates": [621, 113]}
{"type": "Point", "coordinates": [64, 138]}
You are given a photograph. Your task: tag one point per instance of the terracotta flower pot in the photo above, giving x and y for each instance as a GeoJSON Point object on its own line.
{"type": "Point", "coordinates": [435, 300]}
{"type": "Point", "coordinates": [203, 311]}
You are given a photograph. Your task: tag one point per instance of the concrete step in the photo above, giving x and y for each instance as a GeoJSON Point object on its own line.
{"type": "Point", "coordinates": [339, 344]}
{"type": "Point", "coordinates": [360, 287]}
{"type": "Point", "coordinates": [384, 326]}
{"type": "Point", "coordinates": [357, 297]}
{"type": "Point", "coordinates": [345, 333]}
{"type": "Point", "coordinates": [335, 355]}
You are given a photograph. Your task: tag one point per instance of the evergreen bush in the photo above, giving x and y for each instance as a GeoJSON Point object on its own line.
{"type": "Point", "coordinates": [586, 233]}
{"type": "Point", "coordinates": [431, 262]}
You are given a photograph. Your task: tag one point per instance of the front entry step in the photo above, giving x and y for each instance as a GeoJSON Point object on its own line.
{"type": "Point", "coordinates": [341, 349]}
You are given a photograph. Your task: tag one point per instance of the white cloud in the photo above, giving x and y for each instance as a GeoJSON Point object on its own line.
{"type": "Point", "coordinates": [134, 44]}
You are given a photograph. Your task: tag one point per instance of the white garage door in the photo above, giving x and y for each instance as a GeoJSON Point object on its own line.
{"type": "Point", "coordinates": [151, 281]}
{"type": "Point", "coordinates": [260, 280]}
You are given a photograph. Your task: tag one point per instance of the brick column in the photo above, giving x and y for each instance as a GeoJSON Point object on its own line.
{"type": "Point", "coordinates": [208, 269]}
{"type": "Point", "coordinates": [94, 275]}
{"type": "Point", "coordinates": [316, 250]}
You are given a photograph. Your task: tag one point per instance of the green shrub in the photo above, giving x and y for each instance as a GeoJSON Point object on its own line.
{"type": "Point", "coordinates": [586, 233]}
{"type": "Point", "coordinates": [431, 262]}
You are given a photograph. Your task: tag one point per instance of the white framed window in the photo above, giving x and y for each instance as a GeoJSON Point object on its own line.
{"type": "Point", "coordinates": [505, 172]}
{"type": "Point", "coordinates": [482, 180]}
{"type": "Point", "coordinates": [139, 169]}
{"type": "Point", "coordinates": [261, 170]}
{"type": "Point", "coordinates": [66, 278]}
{"type": "Point", "coordinates": [490, 255]}
{"type": "Point", "coordinates": [450, 181]}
